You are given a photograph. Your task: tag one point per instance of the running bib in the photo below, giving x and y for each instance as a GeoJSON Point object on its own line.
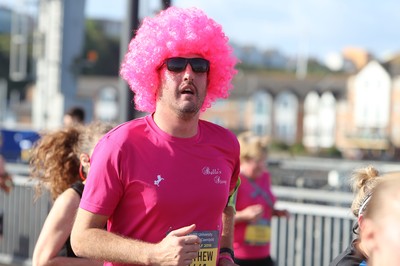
{"type": "Point", "coordinates": [207, 255]}
{"type": "Point", "coordinates": [259, 233]}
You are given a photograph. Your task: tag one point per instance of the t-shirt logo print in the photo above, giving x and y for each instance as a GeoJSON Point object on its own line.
{"type": "Point", "coordinates": [214, 172]}
{"type": "Point", "coordinates": [159, 179]}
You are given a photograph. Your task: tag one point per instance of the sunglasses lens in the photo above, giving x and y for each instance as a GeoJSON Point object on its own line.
{"type": "Point", "coordinates": [176, 64]}
{"type": "Point", "coordinates": [199, 65]}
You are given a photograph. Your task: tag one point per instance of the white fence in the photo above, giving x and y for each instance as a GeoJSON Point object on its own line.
{"type": "Point", "coordinates": [315, 233]}
{"type": "Point", "coordinates": [22, 221]}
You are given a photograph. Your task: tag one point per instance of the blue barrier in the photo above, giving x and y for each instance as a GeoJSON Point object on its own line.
{"type": "Point", "coordinates": [16, 144]}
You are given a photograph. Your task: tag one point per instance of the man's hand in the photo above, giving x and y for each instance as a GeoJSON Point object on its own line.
{"type": "Point", "coordinates": [177, 248]}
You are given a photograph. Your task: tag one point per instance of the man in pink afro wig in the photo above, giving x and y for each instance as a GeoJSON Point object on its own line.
{"type": "Point", "coordinates": [176, 31]}
{"type": "Point", "coordinates": [164, 183]}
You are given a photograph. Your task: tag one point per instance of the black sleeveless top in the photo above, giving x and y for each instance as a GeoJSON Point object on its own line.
{"type": "Point", "coordinates": [350, 257]}
{"type": "Point", "coordinates": [67, 251]}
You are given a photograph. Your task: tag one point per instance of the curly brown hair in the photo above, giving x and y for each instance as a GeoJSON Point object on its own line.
{"type": "Point", "coordinates": [55, 157]}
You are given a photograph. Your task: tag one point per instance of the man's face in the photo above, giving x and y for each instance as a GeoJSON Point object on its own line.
{"type": "Point", "coordinates": [182, 92]}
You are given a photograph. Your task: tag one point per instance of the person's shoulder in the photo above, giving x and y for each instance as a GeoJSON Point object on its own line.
{"type": "Point", "coordinates": [347, 258]}
{"type": "Point", "coordinates": [68, 200]}
{"type": "Point", "coordinates": [266, 176]}
{"type": "Point", "coordinates": [130, 125]}
{"type": "Point", "coordinates": [216, 130]}
{"type": "Point", "coordinates": [346, 261]}
{"type": "Point", "coordinates": [78, 187]}
{"type": "Point", "coordinates": [126, 129]}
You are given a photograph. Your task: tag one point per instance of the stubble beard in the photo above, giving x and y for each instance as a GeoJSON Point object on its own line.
{"type": "Point", "coordinates": [185, 110]}
{"type": "Point", "coordinates": [188, 111]}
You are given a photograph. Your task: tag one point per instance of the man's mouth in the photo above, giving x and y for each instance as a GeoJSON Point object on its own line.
{"type": "Point", "coordinates": [187, 91]}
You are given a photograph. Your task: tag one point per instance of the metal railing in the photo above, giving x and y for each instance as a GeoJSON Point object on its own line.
{"type": "Point", "coordinates": [22, 221]}
{"type": "Point", "coordinates": [312, 236]}
{"type": "Point", "coordinates": [315, 233]}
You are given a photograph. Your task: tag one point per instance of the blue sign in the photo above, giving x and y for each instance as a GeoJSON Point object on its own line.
{"type": "Point", "coordinates": [15, 145]}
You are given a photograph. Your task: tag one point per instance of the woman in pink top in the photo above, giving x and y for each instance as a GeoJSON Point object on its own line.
{"type": "Point", "coordinates": [255, 204]}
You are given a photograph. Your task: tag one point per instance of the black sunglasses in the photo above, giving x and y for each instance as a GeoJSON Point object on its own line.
{"type": "Point", "coordinates": [178, 64]}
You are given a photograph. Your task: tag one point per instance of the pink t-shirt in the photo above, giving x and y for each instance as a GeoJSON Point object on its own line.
{"type": "Point", "coordinates": [150, 183]}
{"type": "Point", "coordinates": [249, 194]}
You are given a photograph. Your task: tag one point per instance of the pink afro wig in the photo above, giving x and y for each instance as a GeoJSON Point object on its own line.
{"type": "Point", "coordinates": [173, 32]}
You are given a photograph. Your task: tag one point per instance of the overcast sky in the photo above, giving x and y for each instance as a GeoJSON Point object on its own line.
{"type": "Point", "coordinates": [314, 27]}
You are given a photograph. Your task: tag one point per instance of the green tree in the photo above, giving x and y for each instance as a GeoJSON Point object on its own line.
{"type": "Point", "coordinates": [4, 55]}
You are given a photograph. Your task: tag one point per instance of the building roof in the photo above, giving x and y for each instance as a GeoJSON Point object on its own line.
{"type": "Point", "coordinates": [392, 65]}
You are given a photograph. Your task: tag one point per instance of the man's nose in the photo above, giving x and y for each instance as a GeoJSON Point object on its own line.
{"type": "Point", "coordinates": [188, 72]}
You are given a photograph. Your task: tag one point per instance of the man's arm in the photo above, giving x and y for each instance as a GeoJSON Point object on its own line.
{"type": "Point", "coordinates": [227, 233]}
{"type": "Point", "coordinates": [228, 222]}
{"type": "Point", "coordinates": [89, 239]}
